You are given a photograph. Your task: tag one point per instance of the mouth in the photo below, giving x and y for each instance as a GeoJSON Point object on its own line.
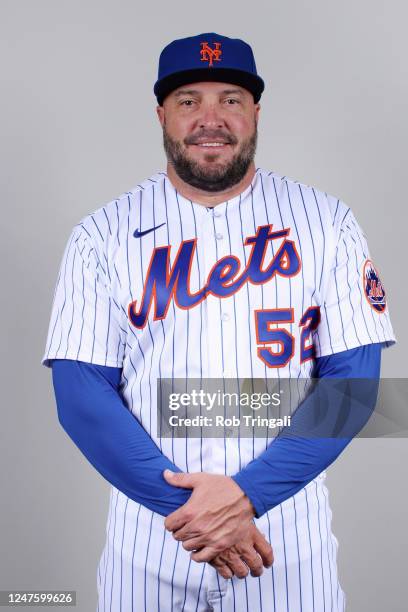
{"type": "Point", "coordinates": [211, 144]}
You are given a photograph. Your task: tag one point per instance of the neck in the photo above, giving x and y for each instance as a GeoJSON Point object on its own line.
{"type": "Point", "coordinates": [209, 198]}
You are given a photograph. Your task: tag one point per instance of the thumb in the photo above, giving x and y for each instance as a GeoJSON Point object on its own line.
{"type": "Point", "coordinates": [179, 479]}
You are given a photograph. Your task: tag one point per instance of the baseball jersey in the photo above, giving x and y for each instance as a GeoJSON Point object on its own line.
{"type": "Point", "coordinates": [256, 287]}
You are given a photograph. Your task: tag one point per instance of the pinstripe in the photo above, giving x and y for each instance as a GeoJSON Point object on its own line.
{"type": "Point", "coordinates": [113, 555]}
{"type": "Point", "coordinates": [284, 554]}
{"type": "Point", "coordinates": [148, 323]}
{"type": "Point", "coordinates": [321, 550]}
{"type": "Point", "coordinates": [172, 576]}
{"type": "Point", "coordinates": [94, 322]}
{"type": "Point", "coordinates": [290, 284]}
{"type": "Point", "coordinates": [233, 594]}
{"type": "Point", "coordinates": [65, 295]}
{"type": "Point", "coordinates": [83, 310]}
{"type": "Point", "coordinates": [361, 305]}
{"type": "Point", "coordinates": [201, 329]}
{"type": "Point", "coordinates": [338, 303]}
{"type": "Point", "coordinates": [262, 294]}
{"type": "Point", "coordinates": [107, 333]}
{"type": "Point", "coordinates": [158, 573]}
{"type": "Point", "coordinates": [107, 268]}
{"type": "Point", "coordinates": [147, 554]}
{"type": "Point", "coordinates": [300, 249]}
{"type": "Point", "coordinates": [365, 255]}
{"type": "Point", "coordinates": [164, 337]}
{"type": "Point", "coordinates": [200, 585]}
{"type": "Point", "coordinates": [121, 556]}
{"type": "Point", "coordinates": [323, 238]}
{"type": "Point", "coordinates": [174, 310]}
{"type": "Point", "coordinates": [329, 549]}
{"type": "Point", "coordinates": [299, 564]}
{"type": "Point", "coordinates": [272, 569]}
{"type": "Point", "coordinates": [350, 300]}
{"type": "Point", "coordinates": [249, 309]}
{"type": "Point", "coordinates": [72, 301]}
{"type": "Point", "coordinates": [188, 326]}
{"type": "Point", "coordinates": [313, 246]}
{"type": "Point", "coordinates": [132, 591]}
{"type": "Point", "coordinates": [118, 222]}
{"type": "Point", "coordinates": [117, 275]}
{"type": "Point", "coordinates": [97, 227]}
{"type": "Point", "coordinates": [236, 336]}
{"type": "Point", "coordinates": [185, 587]}
{"type": "Point", "coordinates": [311, 553]}
{"type": "Point", "coordinates": [246, 593]}
{"type": "Point", "coordinates": [107, 221]}
{"type": "Point", "coordinates": [222, 350]}
{"type": "Point", "coordinates": [275, 279]}
{"type": "Point", "coordinates": [335, 212]}
{"type": "Point", "coordinates": [107, 548]}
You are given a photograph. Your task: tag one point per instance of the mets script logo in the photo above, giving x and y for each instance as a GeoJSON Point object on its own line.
{"type": "Point", "coordinates": [165, 282]}
{"type": "Point", "coordinates": [210, 55]}
{"type": "Point", "coordinates": [373, 289]}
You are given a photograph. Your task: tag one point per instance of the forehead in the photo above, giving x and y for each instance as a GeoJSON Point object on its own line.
{"type": "Point", "coordinates": [210, 88]}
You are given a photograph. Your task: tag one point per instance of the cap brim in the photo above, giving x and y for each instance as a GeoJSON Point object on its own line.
{"type": "Point", "coordinates": [166, 85]}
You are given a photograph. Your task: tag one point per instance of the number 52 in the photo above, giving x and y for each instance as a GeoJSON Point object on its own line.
{"type": "Point", "coordinates": [268, 335]}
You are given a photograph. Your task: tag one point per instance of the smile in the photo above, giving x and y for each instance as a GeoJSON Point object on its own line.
{"type": "Point", "coordinates": [212, 144]}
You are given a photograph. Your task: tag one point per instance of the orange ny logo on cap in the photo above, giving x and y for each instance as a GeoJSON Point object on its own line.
{"type": "Point", "coordinates": [208, 54]}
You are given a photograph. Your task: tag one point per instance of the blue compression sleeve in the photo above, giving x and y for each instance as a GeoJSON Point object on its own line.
{"type": "Point", "coordinates": [92, 412]}
{"type": "Point", "coordinates": [290, 462]}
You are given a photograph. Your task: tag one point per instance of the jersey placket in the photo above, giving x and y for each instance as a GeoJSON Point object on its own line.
{"type": "Point", "coordinates": [220, 329]}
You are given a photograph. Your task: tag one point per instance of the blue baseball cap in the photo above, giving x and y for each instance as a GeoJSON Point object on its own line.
{"type": "Point", "coordinates": [207, 57]}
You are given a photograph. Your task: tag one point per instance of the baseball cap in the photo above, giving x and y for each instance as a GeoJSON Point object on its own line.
{"type": "Point", "coordinates": [207, 57]}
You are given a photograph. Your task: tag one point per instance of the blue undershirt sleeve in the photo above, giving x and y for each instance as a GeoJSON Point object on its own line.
{"type": "Point", "coordinates": [293, 460]}
{"type": "Point", "coordinates": [93, 414]}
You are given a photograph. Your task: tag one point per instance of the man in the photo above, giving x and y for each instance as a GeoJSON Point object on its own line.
{"type": "Point", "coordinates": [213, 269]}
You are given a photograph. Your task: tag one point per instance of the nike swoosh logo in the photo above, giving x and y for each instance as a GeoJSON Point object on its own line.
{"type": "Point", "coordinates": [139, 234]}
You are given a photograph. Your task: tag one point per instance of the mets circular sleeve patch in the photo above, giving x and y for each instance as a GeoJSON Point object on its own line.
{"type": "Point", "coordinates": [373, 288]}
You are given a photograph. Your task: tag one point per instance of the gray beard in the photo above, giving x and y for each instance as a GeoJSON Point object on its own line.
{"type": "Point", "coordinates": [218, 178]}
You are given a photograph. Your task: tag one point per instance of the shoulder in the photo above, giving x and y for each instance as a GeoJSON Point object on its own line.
{"type": "Point", "coordinates": [331, 209]}
{"type": "Point", "coordinates": [111, 219]}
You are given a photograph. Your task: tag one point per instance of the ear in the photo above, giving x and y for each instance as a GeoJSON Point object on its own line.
{"type": "Point", "coordinates": [160, 114]}
{"type": "Point", "coordinates": [257, 111]}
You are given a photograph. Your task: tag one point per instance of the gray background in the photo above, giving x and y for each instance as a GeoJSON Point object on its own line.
{"type": "Point", "coordinates": [78, 128]}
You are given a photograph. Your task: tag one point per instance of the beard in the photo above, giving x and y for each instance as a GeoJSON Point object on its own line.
{"type": "Point", "coordinates": [214, 176]}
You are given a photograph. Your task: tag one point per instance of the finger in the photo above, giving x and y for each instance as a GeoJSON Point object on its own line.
{"type": "Point", "coordinates": [264, 549]}
{"type": "Point", "coordinates": [205, 554]}
{"type": "Point", "coordinates": [194, 543]}
{"type": "Point", "coordinates": [254, 562]}
{"type": "Point", "coordinates": [188, 531]}
{"type": "Point", "coordinates": [235, 563]}
{"type": "Point", "coordinates": [180, 479]}
{"type": "Point", "coordinates": [176, 520]}
{"type": "Point", "coordinates": [222, 568]}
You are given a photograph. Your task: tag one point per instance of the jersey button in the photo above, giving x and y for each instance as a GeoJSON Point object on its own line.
{"type": "Point", "coordinates": [225, 316]}
{"type": "Point", "coordinates": [217, 213]}
{"type": "Point", "coordinates": [219, 236]}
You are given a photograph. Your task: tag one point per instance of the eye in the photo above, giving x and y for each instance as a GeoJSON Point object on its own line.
{"type": "Point", "coordinates": [187, 102]}
{"type": "Point", "coordinates": [232, 101]}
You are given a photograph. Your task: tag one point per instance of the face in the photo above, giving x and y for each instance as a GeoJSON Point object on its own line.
{"type": "Point", "coordinates": [210, 133]}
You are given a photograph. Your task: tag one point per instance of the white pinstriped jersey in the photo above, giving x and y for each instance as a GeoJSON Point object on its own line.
{"type": "Point", "coordinates": [291, 260]}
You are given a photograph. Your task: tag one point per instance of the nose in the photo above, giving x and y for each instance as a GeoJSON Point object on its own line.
{"type": "Point", "coordinates": [210, 117]}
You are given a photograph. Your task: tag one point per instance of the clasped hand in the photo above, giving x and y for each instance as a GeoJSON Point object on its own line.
{"type": "Point", "coordinates": [216, 525]}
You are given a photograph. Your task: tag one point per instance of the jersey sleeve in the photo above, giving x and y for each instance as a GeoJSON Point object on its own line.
{"type": "Point", "coordinates": [86, 322]}
{"type": "Point", "coordinates": [354, 310]}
